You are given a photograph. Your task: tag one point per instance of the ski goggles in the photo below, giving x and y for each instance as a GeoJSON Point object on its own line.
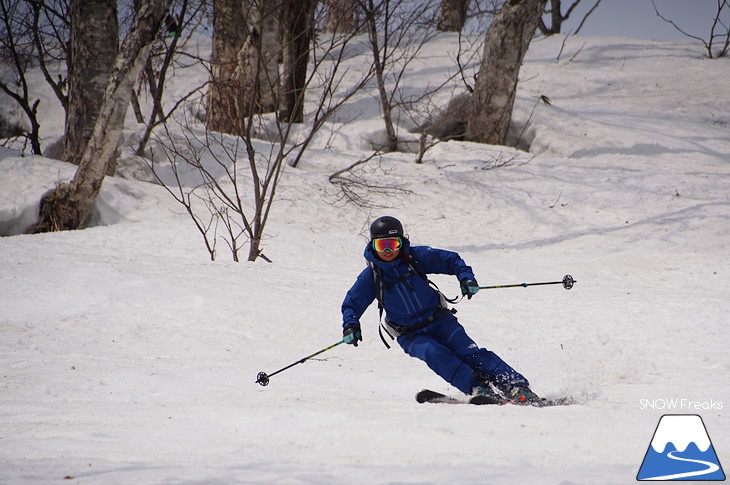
{"type": "Point", "coordinates": [387, 244]}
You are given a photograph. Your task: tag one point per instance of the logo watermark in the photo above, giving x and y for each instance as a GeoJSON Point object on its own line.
{"type": "Point", "coordinates": [680, 405]}
{"type": "Point", "coordinates": [680, 450]}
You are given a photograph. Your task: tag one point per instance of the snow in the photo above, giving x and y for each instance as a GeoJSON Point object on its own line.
{"type": "Point", "coordinates": [680, 431]}
{"type": "Point", "coordinates": [128, 357]}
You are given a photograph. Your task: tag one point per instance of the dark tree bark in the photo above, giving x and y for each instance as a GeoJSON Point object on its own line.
{"type": "Point", "coordinates": [507, 42]}
{"type": "Point", "coordinates": [94, 46]}
{"type": "Point", "coordinates": [297, 27]}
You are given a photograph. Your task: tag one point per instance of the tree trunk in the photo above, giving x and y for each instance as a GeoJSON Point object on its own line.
{"type": "Point", "coordinates": [73, 203]}
{"type": "Point", "coordinates": [453, 15]}
{"type": "Point", "coordinates": [507, 42]}
{"type": "Point", "coordinates": [257, 70]}
{"type": "Point", "coordinates": [244, 63]}
{"type": "Point", "coordinates": [94, 46]}
{"type": "Point", "coordinates": [297, 33]}
{"type": "Point", "coordinates": [229, 34]}
{"type": "Point", "coordinates": [340, 16]}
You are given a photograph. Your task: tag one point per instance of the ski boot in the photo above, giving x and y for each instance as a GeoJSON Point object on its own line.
{"type": "Point", "coordinates": [524, 395]}
{"type": "Point", "coordinates": [485, 395]}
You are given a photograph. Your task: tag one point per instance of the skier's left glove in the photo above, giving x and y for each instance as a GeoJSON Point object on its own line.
{"type": "Point", "coordinates": [469, 287]}
{"type": "Point", "coordinates": [351, 334]}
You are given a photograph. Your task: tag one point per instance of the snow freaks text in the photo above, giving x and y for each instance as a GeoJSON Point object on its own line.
{"type": "Point", "coordinates": [679, 404]}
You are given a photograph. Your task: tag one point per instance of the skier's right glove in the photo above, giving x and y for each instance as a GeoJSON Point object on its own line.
{"type": "Point", "coordinates": [351, 334]}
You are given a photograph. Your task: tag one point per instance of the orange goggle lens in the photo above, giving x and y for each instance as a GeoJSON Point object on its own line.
{"type": "Point", "coordinates": [387, 244]}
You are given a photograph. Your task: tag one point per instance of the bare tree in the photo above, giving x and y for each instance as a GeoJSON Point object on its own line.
{"type": "Point", "coordinates": [505, 46]}
{"type": "Point", "coordinates": [397, 31]}
{"type": "Point", "coordinates": [585, 17]}
{"type": "Point", "coordinates": [355, 187]}
{"type": "Point", "coordinates": [51, 35]}
{"type": "Point", "coordinates": [94, 46]}
{"type": "Point", "coordinates": [374, 10]}
{"type": "Point", "coordinates": [719, 31]}
{"type": "Point", "coordinates": [68, 206]}
{"type": "Point", "coordinates": [557, 17]}
{"type": "Point", "coordinates": [168, 53]}
{"type": "Point", "coordinates": [17, 52]}
{"type": "Point", "coordinates": [453, 15]}
{"type": "Point", "coordinates": [232, 180]}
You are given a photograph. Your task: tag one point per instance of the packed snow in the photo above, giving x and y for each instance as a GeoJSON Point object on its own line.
{"type": "Point", "coordinates": [127, 356]}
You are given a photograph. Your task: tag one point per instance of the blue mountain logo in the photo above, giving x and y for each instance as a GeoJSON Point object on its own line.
{"type": "Point", "coordinates": [681, 450]}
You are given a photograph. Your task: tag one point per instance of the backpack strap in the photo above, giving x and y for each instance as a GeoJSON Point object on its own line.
{"type": "Point", "coordinates": [378, 282]}
{"type": "Point", "coordinates": [380, 286]}
{"type": "Point", "coordinates": [416, 267]}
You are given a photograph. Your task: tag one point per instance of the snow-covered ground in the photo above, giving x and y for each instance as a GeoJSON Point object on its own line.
{"type": "Point", "coordinates": [126, 356]}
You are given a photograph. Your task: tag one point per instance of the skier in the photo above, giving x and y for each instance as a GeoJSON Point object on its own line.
{"type": "Point", "coordinates": [416, 315]}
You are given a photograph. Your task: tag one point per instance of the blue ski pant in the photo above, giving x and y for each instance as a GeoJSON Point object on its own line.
{"type": "Point", "coordinates": [446, 348]}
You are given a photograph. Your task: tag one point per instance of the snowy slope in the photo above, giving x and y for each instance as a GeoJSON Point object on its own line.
{"type": "Point", "coordinates": [128, 357]}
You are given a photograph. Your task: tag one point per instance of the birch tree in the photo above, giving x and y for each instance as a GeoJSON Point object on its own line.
{"type": "Point", "coordinates": [507, 41]}
{"type": "Point", "coordinates": [244, 70]}
{"type": "Point", "coordinates": [68, 206]}
{"type": "Point", "coordinates": [94, 46]}
{"type": "Point", "coordinates": [229, 34]}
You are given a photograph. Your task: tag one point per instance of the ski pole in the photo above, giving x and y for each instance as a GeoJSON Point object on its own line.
{"type": "Point", "coordinates": [567, 283]}
{"type": "Point", "coordinates": [263, 378]}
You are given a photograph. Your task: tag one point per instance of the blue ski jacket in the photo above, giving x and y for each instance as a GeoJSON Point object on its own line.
{"type": "Point", "coordinates": [407, 297]}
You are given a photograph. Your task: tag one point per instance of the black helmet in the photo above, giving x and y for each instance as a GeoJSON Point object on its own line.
{"type": "Point", "coordinates": [386, 226]}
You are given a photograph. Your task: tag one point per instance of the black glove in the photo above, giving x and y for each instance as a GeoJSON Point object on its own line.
{"type": "Point", "coordinates": [351, 334]}
{"type": "Point", "coordinates": [469, 287]}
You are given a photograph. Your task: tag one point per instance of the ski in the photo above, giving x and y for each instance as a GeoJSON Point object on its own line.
{"type": "Point", "coordinates": [429, 396]}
